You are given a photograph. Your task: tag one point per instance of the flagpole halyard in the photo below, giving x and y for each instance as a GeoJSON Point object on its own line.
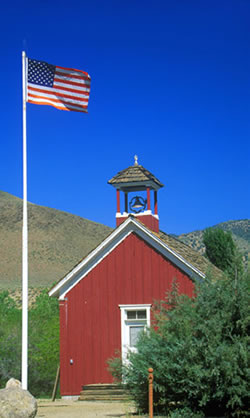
{"type": "Point", "coordinates": [24, 377]}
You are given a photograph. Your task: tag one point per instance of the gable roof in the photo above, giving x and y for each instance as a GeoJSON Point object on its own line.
{"type": "Point", "coordinates": [178, 253]}
{"type": "Point", "coordinates": [135, 175]}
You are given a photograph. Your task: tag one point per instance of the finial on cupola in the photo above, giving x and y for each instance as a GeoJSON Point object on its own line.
{"type": "Point", "coordinates": [136, 159]}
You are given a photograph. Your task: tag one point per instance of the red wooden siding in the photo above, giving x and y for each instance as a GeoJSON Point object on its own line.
{"type": "Point", "coordinates": [133, 273]}
{"type": "Point", "coordinates": [148, 220]}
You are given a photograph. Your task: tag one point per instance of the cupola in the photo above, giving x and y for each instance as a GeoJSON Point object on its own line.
{"type": "Point", "coordinates": [137, 185]}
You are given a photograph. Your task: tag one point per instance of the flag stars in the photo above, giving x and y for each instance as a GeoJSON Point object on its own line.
{"type": "Point", "coordinates": [41, 73]}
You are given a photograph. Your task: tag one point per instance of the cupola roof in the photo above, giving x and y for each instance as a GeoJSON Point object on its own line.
{"type": "Point", "coordinates": [135, 176]}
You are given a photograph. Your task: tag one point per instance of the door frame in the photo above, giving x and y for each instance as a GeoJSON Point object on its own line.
{"type": "Point", "coordinates": [127, 323]}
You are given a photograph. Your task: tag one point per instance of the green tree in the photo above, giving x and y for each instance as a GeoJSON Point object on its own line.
{"type": "Point", "coordinates": [221, 250]}
{"type": "Point", "coordinates": [43, 342]}
{"type": "Point", "coordinates": [10, 339]}
{"type": "Point", "coordinates": [198, 349]}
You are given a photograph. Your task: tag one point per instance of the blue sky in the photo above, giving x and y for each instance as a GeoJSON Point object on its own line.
{"type": "Point", "coordinates": [170, 83]}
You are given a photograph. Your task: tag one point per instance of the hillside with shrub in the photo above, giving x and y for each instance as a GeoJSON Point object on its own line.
{"type": "Point", "coordinates": [59, 240]}
{"type": "Point", "coordinates": [240, 232]}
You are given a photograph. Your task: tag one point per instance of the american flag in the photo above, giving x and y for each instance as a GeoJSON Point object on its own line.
{"type": "Point", "coordinates": [63, 88]}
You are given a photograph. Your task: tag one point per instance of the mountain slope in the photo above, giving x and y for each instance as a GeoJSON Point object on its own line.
{"type": "Point", "coordinates": [240, 232]}
{"type": "Point", "coordinates": [57, 241]}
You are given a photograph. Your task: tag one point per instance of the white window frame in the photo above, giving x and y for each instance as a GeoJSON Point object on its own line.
{"type": "Point", "coordinates": [125, 323]}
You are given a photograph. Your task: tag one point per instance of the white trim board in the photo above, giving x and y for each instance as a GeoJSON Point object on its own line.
{"type": "Point", "coordinates": [131, 225]}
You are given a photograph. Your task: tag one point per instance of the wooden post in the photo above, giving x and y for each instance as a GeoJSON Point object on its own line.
{"type": "Point", "coordinates": [150, 392]}
{"type": "Point", "coordinates": [118, 210]}
{"type": "Point", "coordinates": [56, 384]}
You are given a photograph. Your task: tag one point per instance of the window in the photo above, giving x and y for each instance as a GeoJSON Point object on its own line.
{"type": "Point", "coordinates": [134, 333]}
{"type": "Point", "coordinates": [137, 314]}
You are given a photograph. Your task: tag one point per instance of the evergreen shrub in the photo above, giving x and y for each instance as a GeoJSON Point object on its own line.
{"type": "Point", "coordinates": [198, 348]}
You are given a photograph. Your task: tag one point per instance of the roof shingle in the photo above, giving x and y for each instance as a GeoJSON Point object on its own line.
{"type": "Point", "coordinates": [135, 173]}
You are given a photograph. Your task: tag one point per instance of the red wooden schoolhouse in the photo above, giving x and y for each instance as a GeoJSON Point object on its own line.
{"type": "Point", "coordinates": [106, 300]}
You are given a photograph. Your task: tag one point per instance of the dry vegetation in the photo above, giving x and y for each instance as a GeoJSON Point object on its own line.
{"type": "Point", "coordinates": [59, 240]}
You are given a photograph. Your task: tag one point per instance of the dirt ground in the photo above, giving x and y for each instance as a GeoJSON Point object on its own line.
{"type": "Point", "coordinates": [83, 409]}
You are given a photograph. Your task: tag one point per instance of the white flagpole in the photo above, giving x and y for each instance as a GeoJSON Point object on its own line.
{"type": "Point", "coordinates": [25, 240]}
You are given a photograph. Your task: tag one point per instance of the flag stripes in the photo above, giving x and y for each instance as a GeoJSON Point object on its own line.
{"type": "Point", "coordinates": [63, 88]}
{"type": "Point", "coordinates": [43, 93]}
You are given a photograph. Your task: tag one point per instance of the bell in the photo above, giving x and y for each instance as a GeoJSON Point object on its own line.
{"type": "Point", "coordinates": [137, 204]}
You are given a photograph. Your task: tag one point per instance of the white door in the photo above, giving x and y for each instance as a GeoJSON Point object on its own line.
{"type": "Point", "coordinates": [134, 320]}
